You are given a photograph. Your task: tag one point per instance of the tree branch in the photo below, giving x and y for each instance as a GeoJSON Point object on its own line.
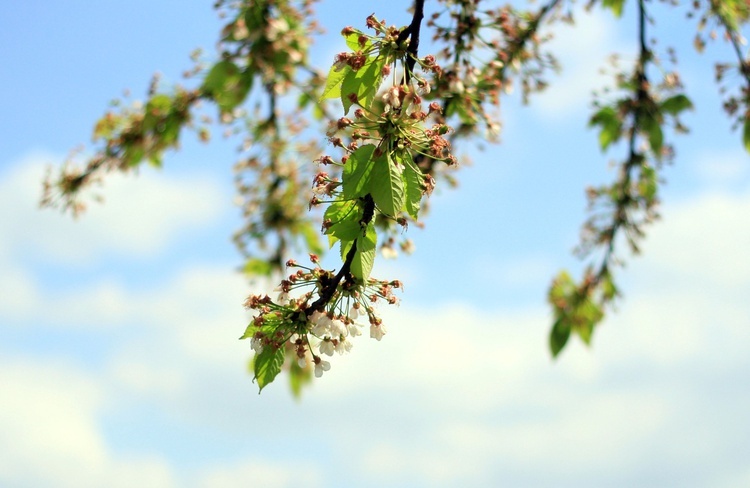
{"type": "Point", "coordinates": [330, 288]}
{"type": "Point", "coordinates": [413, 32]}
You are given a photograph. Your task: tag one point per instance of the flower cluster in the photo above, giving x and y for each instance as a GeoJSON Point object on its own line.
{"type": "Point", "coordinates": [294, 325]}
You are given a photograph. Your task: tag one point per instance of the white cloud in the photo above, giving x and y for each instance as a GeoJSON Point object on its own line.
{"type": "Point", "coordinates": [140, 216]}
{"type": "Point", "coordinates": [453, 396]}
{"type": "Point", "coordinates": [265, 474]}
{"type": "Point", "coordinates": [49, 434]}
{"type": "Point", "coordinates": [721, 168]}
{"type": "Point", "coordinates": [705, 239]}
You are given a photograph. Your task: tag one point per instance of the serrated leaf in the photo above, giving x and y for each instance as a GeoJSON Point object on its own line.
{"type": "Point", "coordinates": [332, 240]}
{"type": "Point", "coordinates": [387, 186]}
{"type": "Point", "coordinates": [364, 83]}
{"type": "Point", "coordinates": [559, 336]}
{"type": "Point", "coordinates": [352, 40]}
{"type": "Point", "coordinates": [333, 82]}
{"type": "Point", "coordinates": [413, 179]}
{"type": "Point", "coordinates": [676, 104]}
{"type": "Point", "coordinates": [267, 365]}
{"type": "Point", "coordinates": [338, 211]}
{"type": "Point", "coordinates": [357, 172]}
{"type": "Point", "coordinates": [364, 256]}
{"type": "Point", "coordinates": [347, 229]}
{"type": "Point", "coordinates": [746, 134]}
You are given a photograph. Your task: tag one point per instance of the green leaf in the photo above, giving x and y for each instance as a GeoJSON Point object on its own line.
{"type": "Point", "coordinates": [364, 257]}
{"type": "Point", "coordinates": [133, 155]}
{"type": "Point", "coordinates": [590, 316]}
{"type": "Point", "coordinates": [387, 186]}
{"type": "Point", "coordinates": [227, 85]}
{"type": "Point", "coordinates": [676, 104]}
{"type": "Point", "coordinates": [298, 377]}
{"type": "Point", "coordinates": [347, 229]}
{"type": "Point", "coordinates": [647, 183]}
{"type": "Point", "coordinates": [267, 365]}
{"type": "Point", "coordinates": [333, 82]}
{"type": "Point", "coordinates": [746, 134]}
{"type": "Point", "coordinates": [311, 238]}
{"type": "Point", "coordinates": [363, 83]}
{"type": "Point", "coordinates": [365, 253]}
{"type": "Point", "coordinates": [357, 170]}
{"type": "Point", "coordinates": [559, 336]}
{"type": "Point", "coordinates": [610, 126]}
{"type": "Point", "coordinates": [653, 131]}
{"type": "Point", "coordinates": [352, 40]}
{"type": "Point", "coordinates": [257, 267]}
{"type": "Point", "coordinates": [615, 5]}
{"type": "Point", "coordinates": [157, 108]}
{"type": "Point", "coordinates": [338, 211]}
{"type": "Point", "coordinates": [414, 179]}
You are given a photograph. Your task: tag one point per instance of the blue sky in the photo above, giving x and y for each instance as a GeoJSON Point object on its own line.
{"type": "Point", "coordinates": [119, 358]}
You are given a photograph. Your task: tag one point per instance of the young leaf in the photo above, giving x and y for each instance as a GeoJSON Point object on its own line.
{"type": "Point", "coordinates": [387, 186]}
{"type": "Point", "coordinates": [559, 336]}
{"type": "Point", "coordinates": [267, 365]}
{"type": "Point", "coordinates": [356, 174]}
{"type": "Point", "coordinates": [310, 236]}
{"type": "Point", "coordinates": [610, 126]}
{"type": "Point", "coordinates": [366, 253]}
{"type": "Point", "coordinates": [364, 256]}
{"type": "Point", "coordinates": [413, 179]}
{"type": "Point", "coordinates": [258, 267]}
{"type": "Point", "coordinates": [227, 85]}
{"type": "Point", "coordinates": [347, 229]}
{"type": "Point", "coordinates": [653, 131]}
{"type": "Point", "coordinates": [615, 5]}
{"type": "Point", "coordinates": [647, 183]}
{"type": "Point", "coordinates": [352, 40]}
{"type": "Point", "coordinates": [363, 83]}
{"type": "Point", "coordinates": [298, 377]}
{"type": "Point", "coordinates": [676, 104]}
{"type": "Point", "coordinates": [333, 82]}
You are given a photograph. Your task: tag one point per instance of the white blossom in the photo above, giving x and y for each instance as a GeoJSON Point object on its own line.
{"type": "Point", "coordinates": [344, 345]}
{"type": "Point", "coordinates": [391, 97]}
{"type": "Point", "coordinates": [388, 252]}
{"type": "Point", "coordinates": [276, 28]}
{"type": "Point", "coordinates": [408, 246]}
{"type": "Point", "coordinates": [321, 323]}
{"type": "Point", "coordinates": [354, 312]}
{"type": "Point", "coordinates": [338, 328]}
{"type": "Point", "coordinates": [326, 347]}
{"type": "Point", "coordinates": [355, 330]}
{"type": "Point", "coordinates": [471, 77]}
{"type": "Point", "coordinates": [456, 86]}
{"type": "Point", "coordinates": [321, 366]}
{"type": "Point", "coordinates": [377, 331]}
